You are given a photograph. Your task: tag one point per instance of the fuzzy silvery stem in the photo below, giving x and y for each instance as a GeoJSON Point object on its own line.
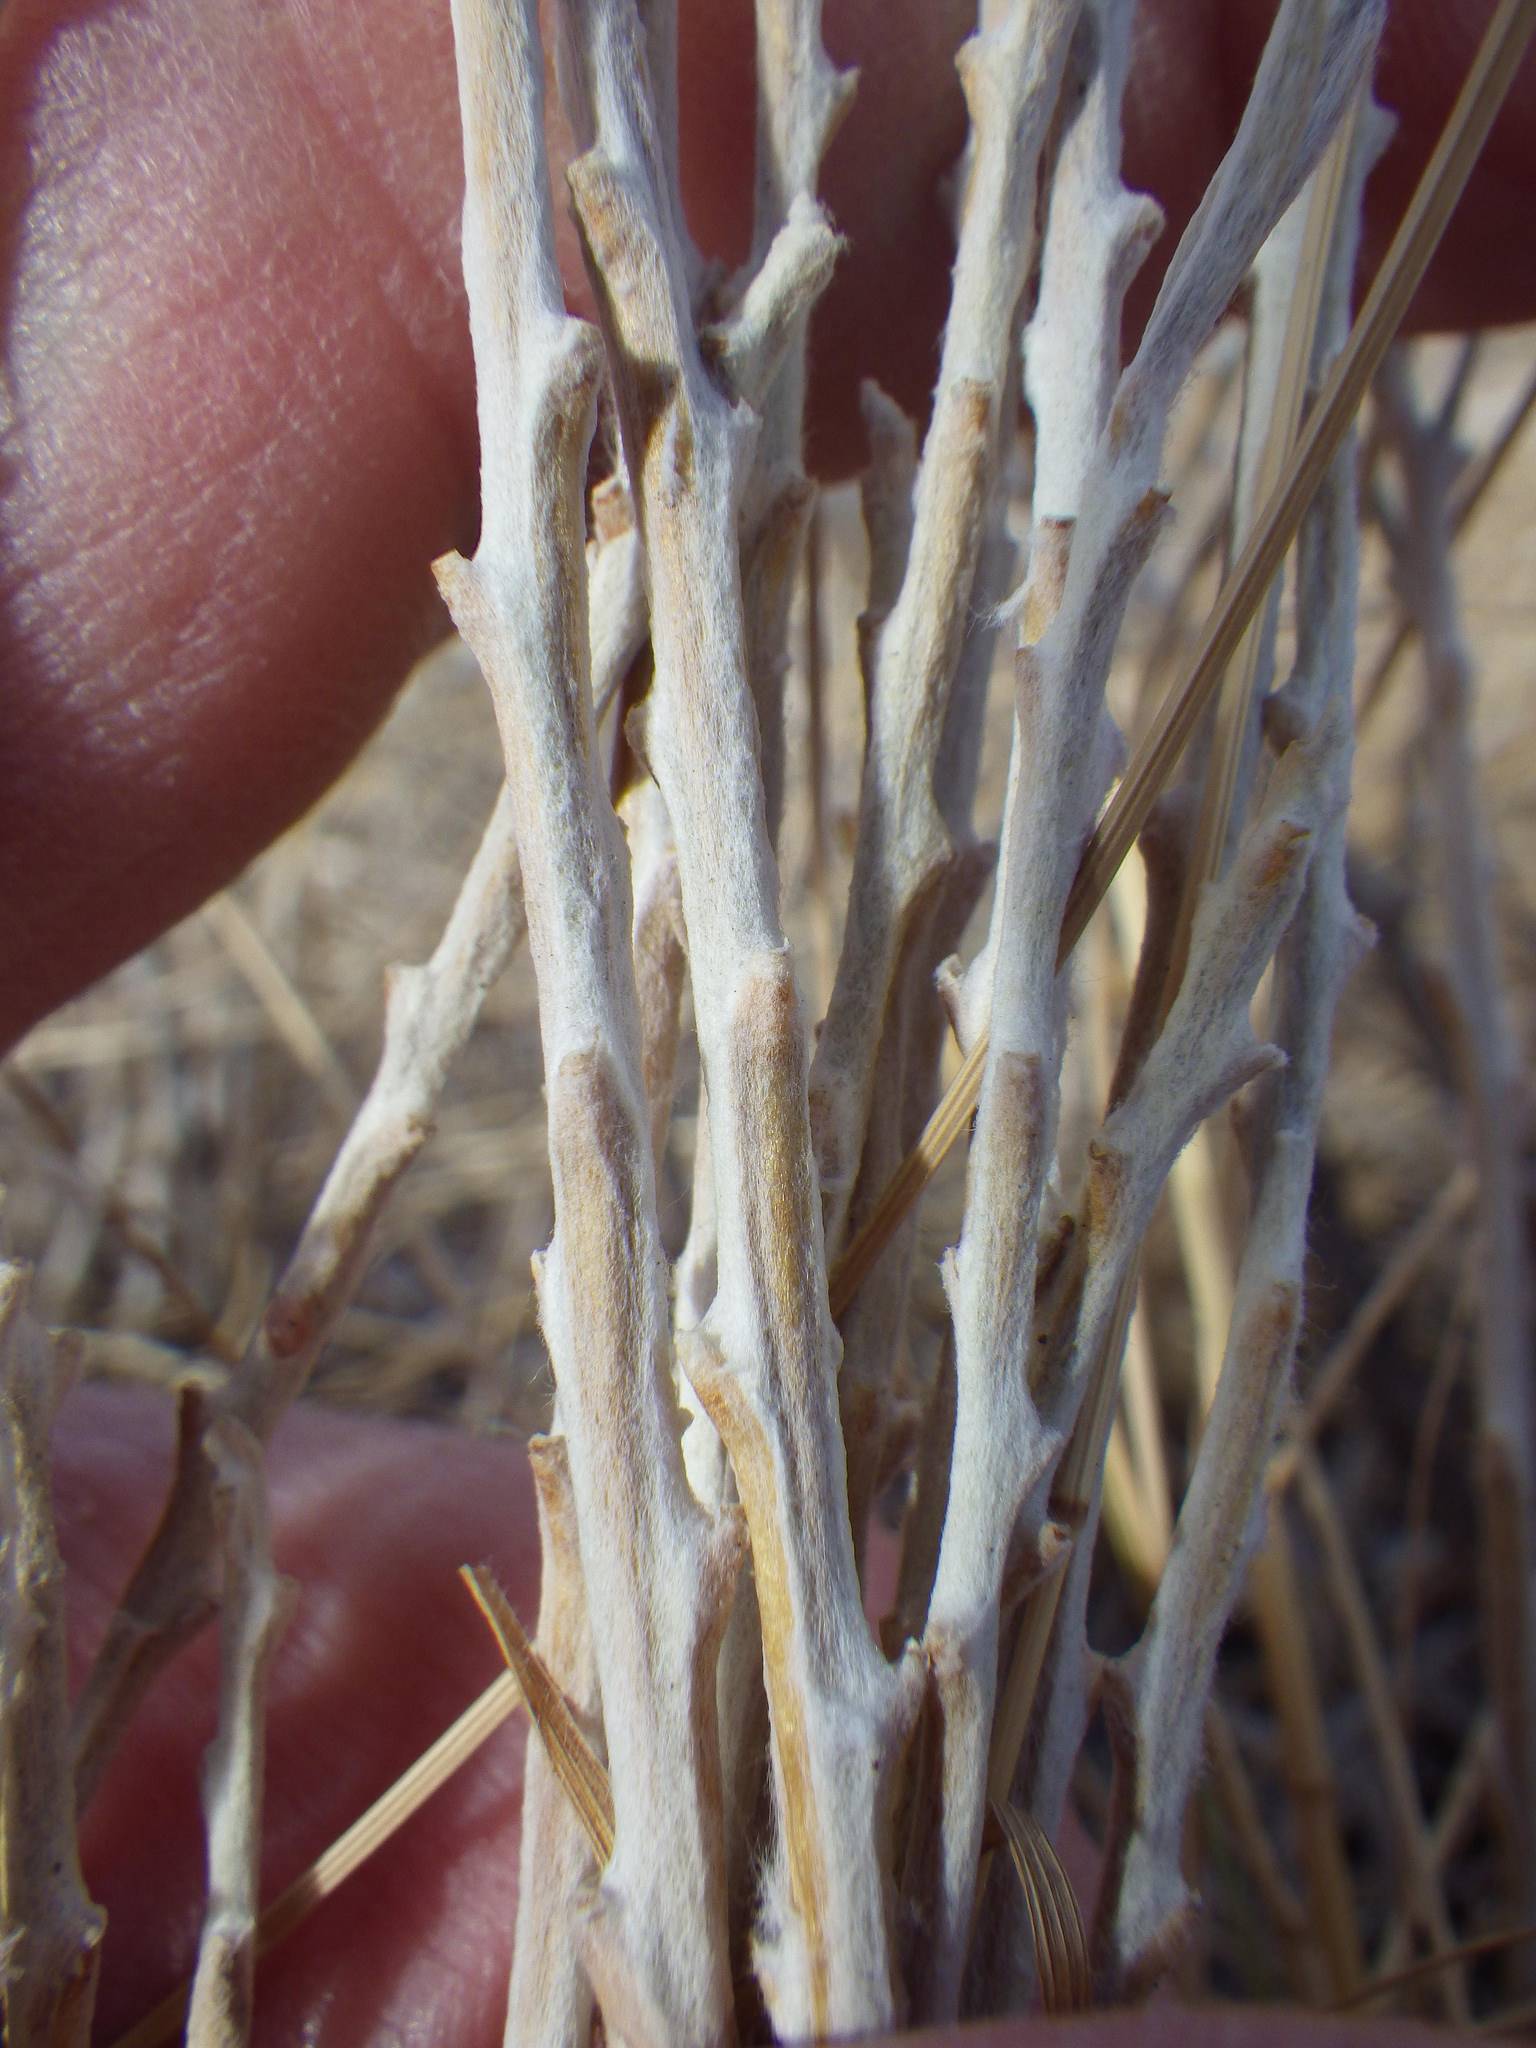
{"type": "Point", "coordinates": [171, 1597]}
{"type": "Point", "coordinates": [801, 98]}
{"type": "Point", "coordinates": [430, 1012]}
{"type": "Point", "coordinates": [1496, 1095]}
{"type": "Point", "coordinates": [1212, 1539]}
{"type": "Point", "coordinates": [1097, 236]}
{"type": "Point", "coordinates": [1312, 61]}
{"type": "Point", "coordinates": [1011, 75]}
{"type": "Point", "coordinates": [1206, 1050]}
{"type": "Point", "coordinates": [657, 1570]}
{"type": "Point", "coordinates": [907, 1063]}
{"type": "Point", "coordinates": [907, 1060]}
{"type": "Point", "coordinates": [753, 348]}
{"type": "Point", "coordinates": [763, 1361]}
{"type": "Point", "coordinates": [1301, 243]}
{"type": "Point", "coordinates": [255, 1608]}
{"type": "Point", "coordinates": [550, 2003]}
{"type": "Point", "coordinates": [661, 951]}
{"type": "Point", "coordinates": [1176, 1662]}
{"type": "Point", "coordinates": [50, 1933]}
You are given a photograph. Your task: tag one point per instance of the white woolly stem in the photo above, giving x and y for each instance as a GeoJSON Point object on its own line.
{"type": "Point", "coordinates": [256, 1607]}
{"type": "Point", "coordinates": [658, 1573]}
{"type": "Point", "coordinates": [1011, 76]}
{"type": "Point", "coordinates": [763, 1360]}
{"type": "Point", "coordinates": [1003, 1442]}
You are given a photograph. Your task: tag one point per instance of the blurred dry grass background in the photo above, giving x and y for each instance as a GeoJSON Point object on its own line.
{"type": "Point", "coordinates": [162, 1137]}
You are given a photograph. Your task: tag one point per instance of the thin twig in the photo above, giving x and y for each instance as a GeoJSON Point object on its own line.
{"type": "Point", "coordinates": [1395, 283]}
{"type": "Point", "coordinates": [50, 1933]}
{"type": "Point", "coordinates": [1419, 1880]}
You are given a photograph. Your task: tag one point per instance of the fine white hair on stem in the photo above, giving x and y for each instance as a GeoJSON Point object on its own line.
{"type": "Point", "coordinates": [1326, 640]}
{"type": "Point", "coordinates": [550, 2001]}
{"type": "Point", "coordinates": [255, 1609]}
{"type": "Point", "coordinates": [50, 1938]}
{"type": "Point", "coordinates": [1312, 61]}
{"type": "Point", "coordinates": [801, 98]}
{"type": "Point", "coordinates": [1097, 237]}
{"type": "Point", "coordinates": [1176, 1661]}
{"type": "Point", "coordinates": [756, 1812]}
{"type": "Point", "coordinates": [763, 1360]}
{"type": "Point", "coordinates": [1011, 75]}
{"type": "Point", "coordinates": [430, 1012]}
{"type": "Point", "coordinates": [658, 1571]}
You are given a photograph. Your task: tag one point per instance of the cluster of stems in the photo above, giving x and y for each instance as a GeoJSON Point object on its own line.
{"type": "Point", "coordinates": [799, 1820]}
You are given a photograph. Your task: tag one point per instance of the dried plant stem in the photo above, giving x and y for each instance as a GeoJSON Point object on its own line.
{"type": "Point", "coordinates": [1239, 1804]}
{"type": "Point", "coordinates": [1372, 1312]}
{"type": "Point", "coordinates": [661, 952]}
{"type": "Point", "coordinates": [292, 1018]}
{"type": "Point", "coordinates": [1011, 74]}
{"type": "Point", "coordinates": [1311, 64]}
{"type": "Point", "coordinates": [353, 1847]}
{"type": "Point", "coordinates": [1135, 1467]}
{"type": "Point", "coordinates": [256, 1607]}
{"type": "Point", "coordinates": [1202, 1219]}
{"type": "Point", "coordinates": [1467, 1789]}
{"type": "Point", "coordinates": [658, 1571]}
{"type": "Point", "coordinates": [550, 2000]}
{"type": "Point", "coordinates": [1127, 1166]}
{"type": "Point", "coordinates": [1275, 528]}
{"type": "Point", "coordinates": [117, 1215]}
{"type": "Point", "coordinates": [1137, 1507]}
{"type": "Point", "coordinates": [1176, 1664]}
{"type": "Point", "coordinates": [429, 1014]}
{"type": "Point", "coordinates": [801, 99]}
{"type": "Point", "coordinates": [762, 1360]}
{"type": "Point", "coordinates": [1421, 1897]}
{"type": "Point", "coordinates": [1495, 1089]}
{"type": "Point", "coordinates": [1322, 433]}
{"type": "Point", "coordinates": [576, 1764]}
{"type": "Point", "coordinates": [1308, 1769]}
{"type": "Point", "coordinates": [1472, 484]}
{"type": "Point", "coordinates": [1450, 1362]}
{"type": "Point", "coordinates": [1290, 277]}
{"type": "Point", "coordinates": [50, 1933]}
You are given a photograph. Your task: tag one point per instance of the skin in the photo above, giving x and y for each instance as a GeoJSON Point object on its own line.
{"type": "Point", "coordinates": [236, 425]}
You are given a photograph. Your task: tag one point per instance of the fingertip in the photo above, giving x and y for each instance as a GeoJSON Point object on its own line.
{"type": "Point", "coordinates": [383, 1652]}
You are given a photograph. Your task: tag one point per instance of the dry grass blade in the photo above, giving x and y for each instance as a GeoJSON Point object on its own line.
{"type": "Point", "coordinates": [1430, 1966]}
{"type": "Point", "coordinates": [1275, 528]}
{"type": "Point", "coordinates": [913, 1175]}
{"type": "Point", "coordinates": [118, 1217]}
{"type": "Point", "coordinates": [1061, 1949]}
{"type": "Point", "coordinates": [1233, 703]}
{"type": "Point", "coordinates": [368, 1833]}
{"type": "Point", "coordinates": [1467, 494]}
{"type": "Point", "coordinates": [1415, 242]}
{"type": "Point", "coordinates": [1386, 1295]}
{"type": "Point", "coordinates": [1517, 2019]}
{"type": "Point", "coordinates": [1418, 1876]}
{"type": "Point", "coordinates": [570, 1754]}
{"type": "Point", "coordinates": [292, 1018]}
